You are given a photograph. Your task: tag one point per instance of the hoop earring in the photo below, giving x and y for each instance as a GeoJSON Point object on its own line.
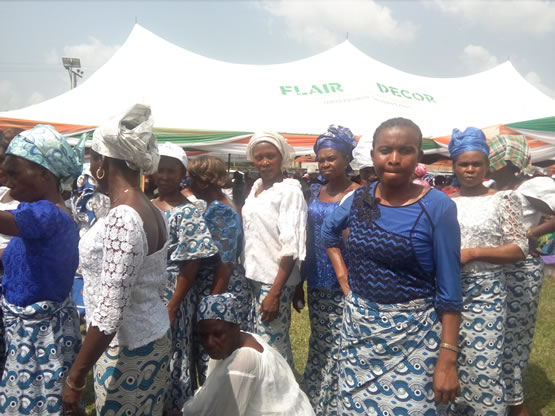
{"type": "Point", "coordinates": [98, 174]}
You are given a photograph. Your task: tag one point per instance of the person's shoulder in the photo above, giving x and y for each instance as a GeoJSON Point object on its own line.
{"type": "Point", "coordinates": [438, 203]}
{"type": "Point", "coordinates": [290, 183]}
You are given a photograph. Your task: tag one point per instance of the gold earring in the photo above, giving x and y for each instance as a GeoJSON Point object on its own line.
{"type": "Point", "coordinates": [98, 174]}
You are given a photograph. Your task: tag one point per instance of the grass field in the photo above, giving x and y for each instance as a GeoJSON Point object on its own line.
{"type": "Point", "coordinates": [540, 378]}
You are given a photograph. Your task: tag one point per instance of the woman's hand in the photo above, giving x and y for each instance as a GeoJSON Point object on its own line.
{"type": "Point", "coordinates": [172, 312]}
{"type": "Point", "coordinates": [71, 402]}
{"type": "Point", "coordinates": [298, 298]}
{"type": "Point", "coordinates": [269, 309]}
{"type": "Point", "coordinates": [446, 380]}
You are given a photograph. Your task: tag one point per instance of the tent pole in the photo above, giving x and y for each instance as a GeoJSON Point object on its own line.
{"type": "Point", "coordinates": [228, 162]}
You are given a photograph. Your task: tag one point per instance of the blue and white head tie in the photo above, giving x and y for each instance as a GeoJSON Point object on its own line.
{"type": "Point", "coordinates": [222, 307]}
{"type": "Point", "coordinates": [46, 147]}
{"type": "Point", "coordinates": [337, 137]}
{"type": "Point", "coordinates": [466, 141]}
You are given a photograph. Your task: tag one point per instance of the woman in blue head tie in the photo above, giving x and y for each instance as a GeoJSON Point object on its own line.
{"type": "Point", "coordinates": [492, 235]}
{"type": "Point", "coordinates": [333, 151]}
{"type": "Point", "coordinates": [42, 326]}
{"type": "Point", "coordinates": [402, 306]}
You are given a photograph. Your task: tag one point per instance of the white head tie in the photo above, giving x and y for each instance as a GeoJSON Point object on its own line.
{"type": "Point", "coordinates": [170, 149]}
{"type": "Point", "coordinates": [286, 151]}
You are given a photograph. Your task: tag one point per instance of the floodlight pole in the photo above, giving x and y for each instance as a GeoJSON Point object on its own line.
{"type": "Point", "coordinates": [73, 66]}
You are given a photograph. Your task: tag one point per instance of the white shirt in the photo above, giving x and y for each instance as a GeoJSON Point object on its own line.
{"type": "Point", "coordinates": [542, 188]}
{"type": "Point", "coordinates": [274, 223]}
{"type": "Point", "coordinates": [249, 383]}
{"type": "Point", "coordinates": [6, 204]}
{"type": "Point", "coordinates": [123, 287]}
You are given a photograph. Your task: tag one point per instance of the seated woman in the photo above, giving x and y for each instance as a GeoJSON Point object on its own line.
{"type": "Point", "coordinates": [40, 319]}
{"type": "Point", "coordinates": [246, 377]}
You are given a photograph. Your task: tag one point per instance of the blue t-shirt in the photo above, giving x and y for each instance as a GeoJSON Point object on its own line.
{"type": "Point", "coordinates": [399, 254]}
{"type": "Point", "coordinates": [317, 268]}
{"type": "Point", "coordinates": [40, 263]}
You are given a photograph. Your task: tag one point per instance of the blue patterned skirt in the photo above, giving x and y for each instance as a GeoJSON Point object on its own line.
{"type": "Point", "coordinates": [42, 341]}
{"type": "Point", "coordinates": [132, 382]}
{"type": "Point", "coordinates": [276, 332]}
{"type": "Point", "coordinates": [524, 282]}
{"type": "Point", "coordinates": [388, 357]}
{"type": "Point", "coordinates": [481, 340]}
{"type": "Point", "coordinates": [321, 374]}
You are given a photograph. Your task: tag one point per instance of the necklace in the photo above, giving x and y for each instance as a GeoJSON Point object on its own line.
{"type": "Point", "coordinates": [121, 194]}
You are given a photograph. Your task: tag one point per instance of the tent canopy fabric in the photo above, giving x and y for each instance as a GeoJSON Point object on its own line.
{"type": "Point", "coordinates": [214, 106]}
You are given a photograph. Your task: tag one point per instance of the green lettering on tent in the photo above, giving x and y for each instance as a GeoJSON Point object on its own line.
{"type": "Point", "coordinates": [406, 94]}
{"type": "Point", "coordinates": [429, 98]}
{"type": "Point", "coordinates": [297, 90]}
{"type": "Point", "coordinates": [315, 89]}
{"type": "Point", "coordinates": [326, 89]}
{"type": "Point", "coordinates": [382, 87]}
{"type": "Point", "coordinates": [285, 89]}
{"type": "Point", "coordinates": [336, 87]}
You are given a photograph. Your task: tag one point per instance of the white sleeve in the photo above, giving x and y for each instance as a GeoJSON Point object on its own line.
{"type": "Point", "coordinates": [228, 388]}
{"type": "Point", "coordinates": [512, 222]}
{"type": "Point", "coordinates": [292, 223]}
{"type": "Point", "coordinates": [122, 254]}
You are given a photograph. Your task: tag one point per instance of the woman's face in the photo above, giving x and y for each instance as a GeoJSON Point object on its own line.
{"type": "Point", "coordinates": [332, 163]}
{"type": "Point", "coordinates": [171, 173]}
{"type": "Point", "coordinates": [267, 160]}
{"type": "Point", "coordinates": [395, 155]}
{"type": "Point", "coordinates": [471, 168]}
{"type": "Point", "coordinates": [24, 179]}
{"type": "Point", "coordinates": [218, 338]}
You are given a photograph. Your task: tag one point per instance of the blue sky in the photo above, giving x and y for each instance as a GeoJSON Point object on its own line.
{"type": "Point", "coordinates": [436, 38]}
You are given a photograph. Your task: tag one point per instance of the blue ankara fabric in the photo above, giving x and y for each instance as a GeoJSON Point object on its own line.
{"type": "Point", "coordinates": [220, 307]}
{"type": "Point", "coordinates": [337, 137]}
{"type": "Point", "coordinates": [399, 254]}
{"type": "Point", "coordinates": [466, 141]}
{"type": "Point", "coordinates": [226, 228]}
{"type": "Point", "coordinates": [46, 147]}
{"type": "Point", "coordinates": [40, 263]}
{"type": "Point", "coordinates": [317, 269]}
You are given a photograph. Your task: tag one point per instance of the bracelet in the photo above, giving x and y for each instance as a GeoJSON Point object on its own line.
{"type": "Point", "coordinates": [75, 388]}
{"type": "Point", "coordinates": [449, 347]}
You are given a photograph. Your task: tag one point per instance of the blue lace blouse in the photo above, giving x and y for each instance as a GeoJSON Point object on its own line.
{"type": "Point", "coordinates": [399, 254]}
{"type": "Point", "coordinates": [226, 228]}
{"type": "Point", "coordinates": [317, 269]}
{"type": "Point", "coordinates": [39, 263]}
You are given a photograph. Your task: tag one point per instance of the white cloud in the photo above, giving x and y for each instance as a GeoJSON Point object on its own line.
{"type": "Point", "coordinates": [477, 58]}
{"type": "Point", "coordinates": [523, 16]}
{"type": "Point", "coordinates": [534, 79]}
{"type": "Point", "coordinates": [92, 54]}
{"type": "Point", "coordinates": [9, 96]}
{"type": "Point", "coordinates": [325, 23]}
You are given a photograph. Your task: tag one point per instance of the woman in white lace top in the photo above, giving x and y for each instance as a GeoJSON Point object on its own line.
{"type": "Point", "coordinates": [274, 222]}
{"type": "Point", "coordinates": [510, 162]}
{"type": "Point", "coordinates": [492, 235]}
{"type": "Point", "coordinates": [123, 260]}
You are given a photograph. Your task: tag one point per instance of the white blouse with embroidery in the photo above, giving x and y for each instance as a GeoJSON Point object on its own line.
{"type": "Point", "coordinates": [123, 286]}
{"type": "Point", "coordinates": [490, 221]}
{"type": "Point", "coordinates": [274, 223]}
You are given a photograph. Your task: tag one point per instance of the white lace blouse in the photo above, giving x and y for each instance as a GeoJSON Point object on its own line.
{"type": "Point", "coordinates": [274, 223]}
{"type": "Point", "coordinates": [490, 221]}
{"type": "Point", "coordinates": [123, 286]}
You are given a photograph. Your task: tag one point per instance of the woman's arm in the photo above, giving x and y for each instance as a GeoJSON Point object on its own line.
{"type": "Point", "coordinates": [184, 283]}
{"type": "Point", "coordinates": [336, 259]}
{"type": "Point", "coordinates": [8, 226]}
{"type": "Point", "coordinates": [505, 254]}
{"type": "Point", "coordinates": [221, 278]}
{"type": "Point", "coordinates": [270, 305]}
{"type": "Point", "coordinates": [446, 380]}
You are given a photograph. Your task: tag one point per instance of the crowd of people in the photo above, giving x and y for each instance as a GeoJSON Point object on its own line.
{"type": "Point", "coordinates": [420, 302]}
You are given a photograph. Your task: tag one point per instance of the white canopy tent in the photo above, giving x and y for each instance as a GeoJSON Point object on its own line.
{"type": "Point", "coordinates": [189, 92]}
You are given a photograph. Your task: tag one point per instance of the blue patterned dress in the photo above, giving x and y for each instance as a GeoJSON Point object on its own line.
{"type": "Point", "coordinates": [403, 268]}
{"type": "Point", "coordinates": [486, 221]}
{"type": "Point", "coordinates": [325, 306]}
{"type": "Point", "coordinates": [42, 336]}
{"type": "Point", "coordinates": [226, 229]}
{"type": "Point", "coordinates": [189, 239]}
